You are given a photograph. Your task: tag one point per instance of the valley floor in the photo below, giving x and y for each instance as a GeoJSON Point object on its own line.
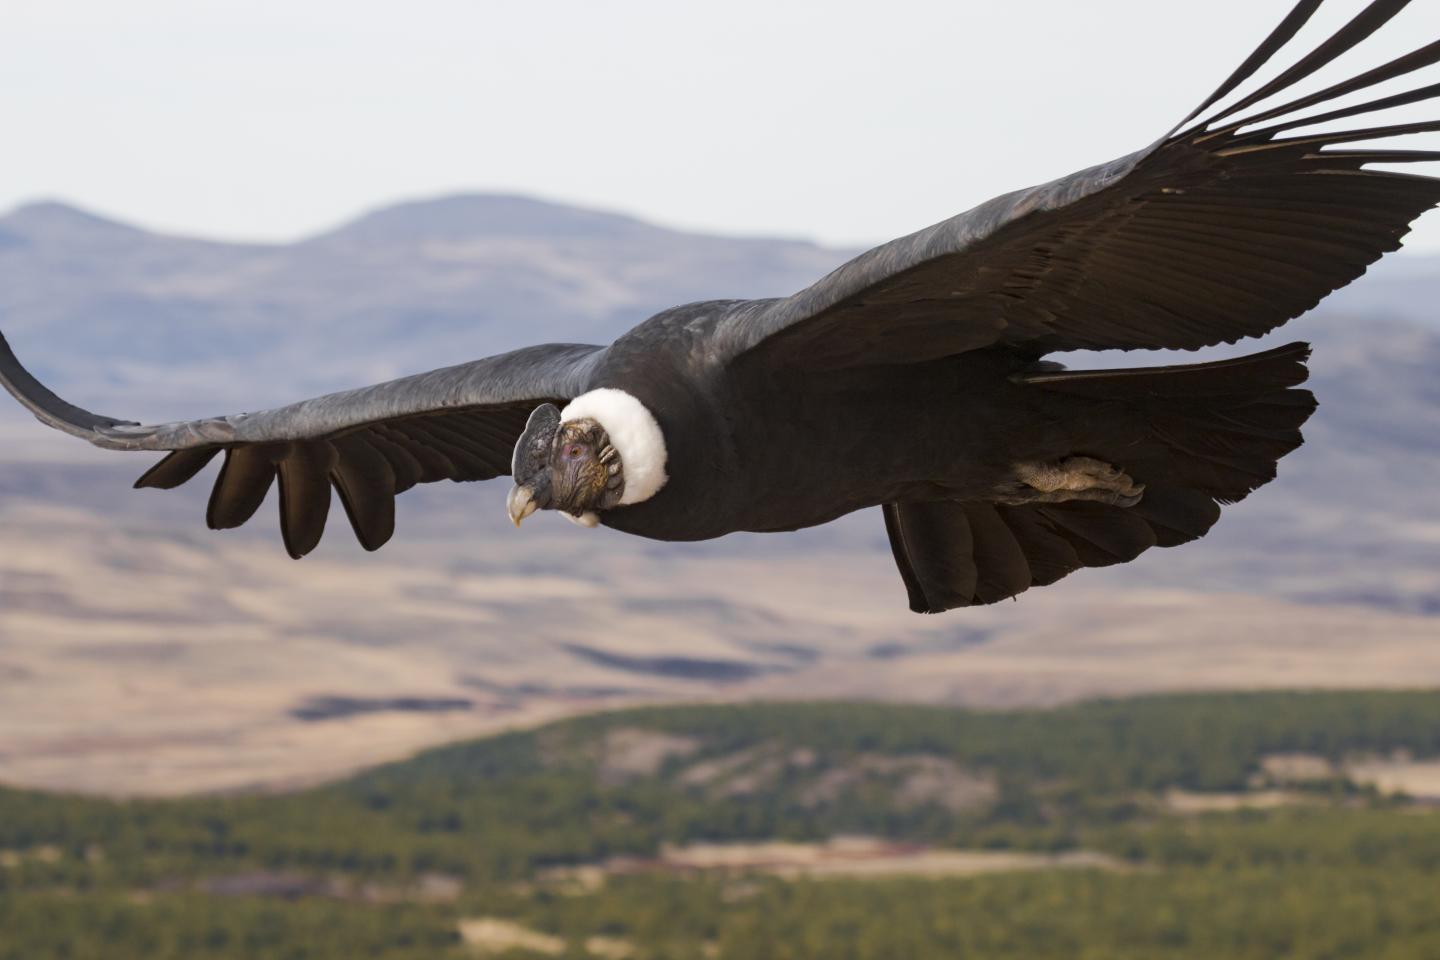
{"type": "Point", "coordinates": [1248, 826]}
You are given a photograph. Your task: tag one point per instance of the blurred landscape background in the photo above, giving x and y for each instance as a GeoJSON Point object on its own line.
{"type": "Point", "coordinates": [190, 722]}
{"type": "Point", "coordinates": [142, 653]}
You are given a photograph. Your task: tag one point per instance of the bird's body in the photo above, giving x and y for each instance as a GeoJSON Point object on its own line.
{"type": "Point", "coordinates": [829, 434]}
{"type": "Point", "coordinates": [914, 377]}
{"type": "Point", "coordinates": [829, 437]}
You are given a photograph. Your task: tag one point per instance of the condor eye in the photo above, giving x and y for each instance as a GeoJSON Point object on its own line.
{"type": "Point", "coordinates": [574, 451]}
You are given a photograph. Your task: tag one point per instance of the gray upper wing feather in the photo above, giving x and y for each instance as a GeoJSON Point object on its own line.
{"type": "Point", "coordinates": [1220, 230]}
{"type": "Point", "coordinates": [368, 445]}
{"type": "Point", "coordinates": [532, 373]}
{"type": "Point", "coordinates": [47, 407]}
{"type": "Point", "coordinates": [957, 235]}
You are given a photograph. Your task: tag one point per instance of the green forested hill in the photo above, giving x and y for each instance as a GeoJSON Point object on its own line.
{"type": "Point", "coordinates": [389, 863]}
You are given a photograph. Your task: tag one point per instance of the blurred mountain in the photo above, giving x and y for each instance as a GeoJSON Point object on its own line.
{"type": "Point", "coordinates": [129, 634]}
{"type": "Point", "coordinates": [406, 288]}
{"type": "Point", "coordinates": [154, 327]}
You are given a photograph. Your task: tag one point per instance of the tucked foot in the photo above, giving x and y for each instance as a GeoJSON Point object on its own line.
{"type": "Point", "coordinates": [1073, 478]}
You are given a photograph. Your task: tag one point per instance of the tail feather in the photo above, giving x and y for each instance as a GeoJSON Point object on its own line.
{"type": "Point", "coordinates": [1002, 568]}
{"type": "Point", "coordinates": [1246, 377]}
{"type": "Point", "coordinates": [1197, 436]}
{"type": "Point", "coordinates": [1217, 428]}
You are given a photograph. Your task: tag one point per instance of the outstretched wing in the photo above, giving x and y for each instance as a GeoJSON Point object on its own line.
{"type": "Point", "coordinates": [456, 423]}
{"type": "Point", "coordinates": [1223, 230]}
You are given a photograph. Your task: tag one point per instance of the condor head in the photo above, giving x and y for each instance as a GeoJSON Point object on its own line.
{"type": "Point", "coordinates": [602, 451]}
{"type": "Point", "coordinates": [571, 467]}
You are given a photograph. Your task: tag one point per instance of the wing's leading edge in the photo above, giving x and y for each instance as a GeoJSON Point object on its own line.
{"type": "Point", "coordinates": [368, 445]}
{"type": "Point", "coordinates": [1224, 229]}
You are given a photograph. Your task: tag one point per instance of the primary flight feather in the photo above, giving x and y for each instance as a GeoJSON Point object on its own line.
{"type": "Point", "coordinates": [912, 378]}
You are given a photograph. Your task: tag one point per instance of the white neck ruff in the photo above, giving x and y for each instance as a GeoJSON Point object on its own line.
{"type": "Point", "coordinates": [633, 433]}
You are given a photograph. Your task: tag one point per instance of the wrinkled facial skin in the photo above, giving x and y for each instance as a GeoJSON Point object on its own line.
{"type": "Point", "coordinates": [569, 467]}
{"type": "Point", "coordinates": [584, 469]}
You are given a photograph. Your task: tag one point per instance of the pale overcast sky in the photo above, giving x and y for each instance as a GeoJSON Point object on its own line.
{"type": "Point", "coordinates": [842, 121]}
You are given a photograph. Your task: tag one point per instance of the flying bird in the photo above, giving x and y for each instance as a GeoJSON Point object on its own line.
{"type": "Point", "coordinates": [915, 377]}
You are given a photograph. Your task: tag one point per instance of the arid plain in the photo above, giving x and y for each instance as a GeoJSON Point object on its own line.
{"type": "Point", "coordinates": [143, 654]}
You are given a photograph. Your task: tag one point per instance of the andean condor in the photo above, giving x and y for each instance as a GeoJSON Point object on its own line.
{"type": "Point", "coordinates": [911, 378]}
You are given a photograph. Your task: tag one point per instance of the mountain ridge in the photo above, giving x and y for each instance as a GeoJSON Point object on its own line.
{"type": "Point", "coordinates": [497, 212]}
{"type": "Point", "coordinates": [129, 627]}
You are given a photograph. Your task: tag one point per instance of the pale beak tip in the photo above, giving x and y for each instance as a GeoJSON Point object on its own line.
{"type": "Point", "coordinates": [519, 504]}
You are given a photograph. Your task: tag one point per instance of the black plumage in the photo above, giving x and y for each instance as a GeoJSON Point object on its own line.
{"type": "Point", "coordinates": [911, 378]}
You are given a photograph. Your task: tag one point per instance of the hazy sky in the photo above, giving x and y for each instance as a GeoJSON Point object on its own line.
{"type": "Point", "coordinates": [842, 121]}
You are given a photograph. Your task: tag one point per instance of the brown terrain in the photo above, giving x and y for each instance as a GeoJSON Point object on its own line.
{"type": "Point", "coordinates": [143, 654]}
{"type": "Point", "coordinates": [143, 657]}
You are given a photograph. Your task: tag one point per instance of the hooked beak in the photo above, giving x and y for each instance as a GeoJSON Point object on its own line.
{"type": "Point", "coordinates": [520, 503]}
